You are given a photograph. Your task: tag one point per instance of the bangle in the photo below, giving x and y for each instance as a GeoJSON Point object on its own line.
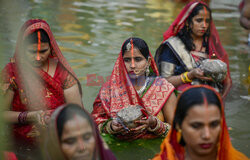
{"type": "Point", "coordinates": [104, 124]}
{"type": "Point", "coordinates": [158, 125]}
{"type": "Point", "coordinates": [186, 77]}
{"type": "Point", "coordinates": [22, 117]}
{"type": "Point", "coordinates": [182, 79]}
{"type": "Point", "coordinates": [109, 128]}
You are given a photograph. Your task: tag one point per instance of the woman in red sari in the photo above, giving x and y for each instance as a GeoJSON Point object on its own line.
{"type": "Point", "coordinates": [199, 129]}
{"type": "Point", "coordinates": [36, 81]}
{"type": "Point", "coordinates": [132, 83]}
{"type": "Point", "coordinates": [191, 39]}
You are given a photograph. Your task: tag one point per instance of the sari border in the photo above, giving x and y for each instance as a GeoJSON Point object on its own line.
{"type": "Point", "coordinates": [174, 43]}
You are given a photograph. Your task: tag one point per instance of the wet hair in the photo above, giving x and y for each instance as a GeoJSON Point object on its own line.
{"type": "Point", "coordinates": [190, 98]}
{"type": "Point", "coordinates": [139, 44]}
{"type": "Point", "coordinates": [33, 37]}
{"type": "Point", "coordinates": [185, 33]}
{"type": "Point", "coordinates": [68, 113]}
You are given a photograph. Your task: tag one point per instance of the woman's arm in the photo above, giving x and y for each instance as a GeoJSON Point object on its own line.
{"type": "Point", "coordinates": [194, 73]}
{"type": "Point", "coordinates": [72, 95]}
{"type": "Point", "coordinates": [12, 116]}
{"type": "Point", "coordinates": [169, 108]}
{"type": "Point", "coordinates": [226, 87]}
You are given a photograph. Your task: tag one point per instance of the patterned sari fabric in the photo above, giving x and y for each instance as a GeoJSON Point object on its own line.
{"type": "Point", "coordinates": [215, 47]}
{"type": "Point", "coordinates": [39, 91]}
{"type": "Point", "coordinates": [52, 143]}
{"type": "Point", "coordinates": [118, 92]}
{"type": "Point", "coordinates": [172, 150]}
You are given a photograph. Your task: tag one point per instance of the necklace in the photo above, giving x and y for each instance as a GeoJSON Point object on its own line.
{"type": "Point", "coordinates": [144, 86]}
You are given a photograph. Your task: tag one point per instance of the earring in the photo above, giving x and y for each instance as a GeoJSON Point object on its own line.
{"type": "Point", "coordinates": [178, 135]}
{"type": "Point", "coordinates": [147, 71]}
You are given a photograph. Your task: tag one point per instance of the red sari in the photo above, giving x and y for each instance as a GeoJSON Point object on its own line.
{"type": "Point", "coordinates": [118, 92]}
{"type": "Point", "coordinates": [215, 47]}
{"type": "Point", "coordinates": [172, 150]}
{"type": "Point", "coordinates": [49, 94]}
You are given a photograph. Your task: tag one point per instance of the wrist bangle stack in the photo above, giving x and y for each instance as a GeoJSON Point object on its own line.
{"type": "Point", "coordinates": [109, 129]}
{"type": "Point", "coordinates": [184, 78]}
{"type": "Point", "coordinates": [22, 117]}
{"type": "Point", "coordinates": [161, 128]}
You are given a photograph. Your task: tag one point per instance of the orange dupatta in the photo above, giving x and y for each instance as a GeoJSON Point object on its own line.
{"type": "Point", "coordinates": [172, 150]}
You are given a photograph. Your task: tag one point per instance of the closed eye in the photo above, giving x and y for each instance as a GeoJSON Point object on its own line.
{"type": "Point", "coordinates": [214, 124]}
{"type": "Point", "coordinates": [196, 125]}
{"type": "Point", "coordinates": [69, 140]}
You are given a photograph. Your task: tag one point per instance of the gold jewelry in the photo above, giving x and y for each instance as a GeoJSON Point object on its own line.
{"type": "Point", "coordinates": [178, 135]}
{"type": "Point", "coordinates": [182, 79]}
{"type": "Point", "coordinates": [186, 77]}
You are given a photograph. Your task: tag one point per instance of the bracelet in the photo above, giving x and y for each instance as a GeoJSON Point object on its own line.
{"type": "Point", "coordinates": [22, 117]}
{"type": "Point", "coordinates": [186, 77]}
{"type": "Point", "coordinates": [104, 124]}
{"type": "Point", "coordinates": [182, 79]}
{"type": "Point", "coordinates": [109, 128]}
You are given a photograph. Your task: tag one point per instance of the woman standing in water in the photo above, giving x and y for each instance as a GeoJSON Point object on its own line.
{"type": "Point", "coordinates": [72, 135]}
{"type": "Point", "coordinates": [36, 81]}
{"type": "Point", "coordinates": [199, 129]}
{"type": "Point", "coordinates": [191, 39]}
{"type": "Point", "coordinates": [135, 81]}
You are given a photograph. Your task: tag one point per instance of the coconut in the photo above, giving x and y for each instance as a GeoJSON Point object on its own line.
{"type": "Point", "coordinates": [214, 68]}
{"type": "Point", "coordinates": [129, 115]}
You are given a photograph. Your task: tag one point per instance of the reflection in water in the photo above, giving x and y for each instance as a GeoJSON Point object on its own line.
{"type": "Point", "coordinates": [90, 34]}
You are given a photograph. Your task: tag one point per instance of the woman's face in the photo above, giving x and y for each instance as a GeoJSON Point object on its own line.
{"type": "Point", "coordinates": [44, 52]}
{"type": "Point", "coordinates": [78, 141]}
{"type": "Point", "coordinates": [136, 65]}
{"type": "Point", "coordinates": [200, 23]}
{"type": "Point", "coordinates": [201, 129]}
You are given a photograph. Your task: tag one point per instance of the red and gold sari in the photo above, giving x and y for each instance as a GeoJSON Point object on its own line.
{"type": "Point", "coordinates": [118, 92]}
{"type": "Point", "coordinates": [172, 150]}
{"type": "Point", "coordinates": [40, 91]}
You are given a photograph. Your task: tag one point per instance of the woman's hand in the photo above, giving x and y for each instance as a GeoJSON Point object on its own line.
{"type": "Point", "coordinates": [199, 74]}
{"type": "Point", "coordinates": [40, 118]}
{"type": "Point", "coordinates": [145, 123]}
{"type": "Point", "coordinates": [117, 127]}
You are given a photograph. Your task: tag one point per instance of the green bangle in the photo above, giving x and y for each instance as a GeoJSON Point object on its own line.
{"type": "Point", "coordinates": [105, 124]}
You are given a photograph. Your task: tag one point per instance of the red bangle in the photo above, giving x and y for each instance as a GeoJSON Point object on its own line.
{"type": "Point", "coordinates": [22, 117]}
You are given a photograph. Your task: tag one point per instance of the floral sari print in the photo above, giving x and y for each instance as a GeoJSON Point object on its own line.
{"type": "Point", "coordinates": [172, 150]}
{"type": "Point", "coordinates": [27, 95]}
{"type": "Point", "coordinates": [118, 92]}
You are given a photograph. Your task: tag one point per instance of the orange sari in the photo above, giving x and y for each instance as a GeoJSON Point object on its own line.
{"type": "Point", "coordinates": [172, 150]}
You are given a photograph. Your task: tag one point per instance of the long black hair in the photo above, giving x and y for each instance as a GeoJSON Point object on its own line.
{"type": "Point", "coordinates": [139, 44]}
{"type": "Point", "coordinates": [185, 33]}
{"type": "Point", "coordinates": [190, 98]}
{"type": "Point", "coordinates": [33, 37]}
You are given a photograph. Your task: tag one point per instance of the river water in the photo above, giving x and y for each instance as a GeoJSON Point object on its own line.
{"type": "Point", "coordinates": [91, 32]}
